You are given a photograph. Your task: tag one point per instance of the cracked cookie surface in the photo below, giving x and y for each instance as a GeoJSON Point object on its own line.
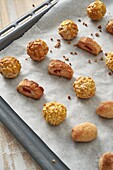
{"type": "Point", "coordinates": [54, 113]}
{"type": "Point", "coordinates": [68, 30]}
{"type": "Point", "coordinates": [37, 50]}
{"type": "Point", "coordinates": [10, 67]}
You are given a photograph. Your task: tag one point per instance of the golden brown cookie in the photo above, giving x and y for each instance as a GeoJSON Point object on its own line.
{"type": "Point", "coordinates": [68, 30]}
{"type": "Point", "coordinates": [54, 113]}
{"type": "Point", "coordinates": [10, 67]}
{"type": "Point", "coordinates": [30, 89]}
{"type": "Point", "coordinates": [105, 109]}
{"type": "Point", "coordinates": [84, 132]}
{"type": "Point", "coordinates": [60, 68]}
{"type": "Point", "coordinates": [89, 45]}
{"type": "Point", "coordinates": [109, 60]}
{"type": "Point", "coordinates": [96, 10]}
{"type": "Point", "coordinates": [106, 161]}
{"type": "Point", "coordinates": [109, 27]}
{"type": "Point", "coordinates": [37, 50]}
{"type": "Point", "coordinates": [84, 87]}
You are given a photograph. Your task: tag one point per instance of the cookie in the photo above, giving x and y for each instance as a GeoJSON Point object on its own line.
{"type": "Point", "coordinates": [109, 27]}
{"type": "Point", "coordinates": [89, 45]}
{"type": "Point", "coordinates": [37, 50]}
{"type": "Point", "coordinates": [84, 87]}
{"type": "Point", "coordinates": [106, 161]}
{"type": "Point", "coordinates": [84, 132]}
{"type": "Point", "coordinates": [96, 10]}
{"type": "Point", "coordinates": [109, 60]}
{"type": "Point", "coordinates": [105, 109]}
{"type": "Point", "coordinates": [30, 89]}
{"type": "Point", "coordinates": [54, 113]}
{"type": "Point", "coordinates": [68, 30]}
{"type": "Point", "coordinates": [10, 67]}
{"type": "Point", "coordinates": [60, 68]}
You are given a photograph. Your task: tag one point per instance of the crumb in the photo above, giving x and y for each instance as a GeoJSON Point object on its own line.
{"type": "Point", "coordinates": [99, 27]}
{"type": "Point", "coordinates": [51, 39]}
{"type": "Point", "coordinates": [57, 45]}
{"type": "Point", "coordinates": [66, 59]}
{"type": "Point", "coordinates": [33, 5]}
{"type": "Point", "coordinates": [69, 97]}
{"type": "Point", "coordinates": [69, 42]}
{"type": "Point", "coordinates": [74, 45]}
{"type": "Point", "coordinates": [97, 35]}
{"type": "Point", "coordinates": [91, 34]}
{"type": "Point", "coordinates": [75, 53]}
{"type": "Point", "coordinates": [100, 30]}
{"type": "Point", "coordinates": [26, 59]}
{"type": "Point", "coordinates": [85, 24]}
{"type": "Point", "coordinates": [106, 54]}
{"type": "Point", "coordinates": [89, 61]}
{"type": "Point", "coordinates": [70, 64]}
{"type": "Point", "coordinates": [50, 51]}
{"type": "Point", "coordinates": [58, 40]}
{"type": "Point", "coordinates": [102, 58]}
{"type": "Point", "coordinates": [110, 73]}
{"type": "Point", "coordinates": [95, 60]}
{"type": "Point", "coordinates": [64, 56]}
{"type": "Point", "coordinates": [71, 53]}
{"type": "Point", "coordinates": [53, 161]}
{"type": "Point", "coordinates": [79, 20]}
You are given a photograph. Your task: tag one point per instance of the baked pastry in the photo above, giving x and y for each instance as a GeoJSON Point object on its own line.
{"type": "Point", "coordinates": [106, 161]}
{"type": "Point", "coordinates": [105, 109]}
{"type": "Point", "coordinates": [60, 68]}
{"type": "Point", "coordinates": [9, 67]}
{"type": "Point", "coordinates": [96, 10]}
{"type": "Point", "coordinates": [84, 87]}
{"type": "Point", "coordinates": [54, 113]}
{"type": "Point", "coordinates": [109, 27]}
{"type": "Point", "coordinates": [109, 60]}
{"type": "Point", "coordinates": [89, 45]}
{"type": "Point", "coordinates": [84, 132]}
{"type": "Point", "coordinates": [30, 89]}
{"type": "Point", "coordinates": [37, 50]}
{"type": "Point", "coordinates": [68, 30]}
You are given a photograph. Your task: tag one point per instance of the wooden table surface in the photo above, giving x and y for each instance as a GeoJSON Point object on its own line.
{"type": "Point", "coordinates": [12, 154]}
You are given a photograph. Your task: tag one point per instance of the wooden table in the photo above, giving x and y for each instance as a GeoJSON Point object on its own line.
{"type": "Point", "coordinates": [12, 154]}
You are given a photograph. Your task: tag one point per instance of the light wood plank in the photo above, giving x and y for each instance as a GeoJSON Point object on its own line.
{"type": "Point", "coordinates": [13, 152]}
{"type": "Point", "coordinates": [4, 13]}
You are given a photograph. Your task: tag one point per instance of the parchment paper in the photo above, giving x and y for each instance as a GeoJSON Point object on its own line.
{"type": "Point", "coordinates": [77, 156]}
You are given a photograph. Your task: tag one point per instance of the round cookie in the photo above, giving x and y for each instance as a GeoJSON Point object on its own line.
{"type": "Point", "coordinates": [68, 30]}
{"type": "Point", "coordinates": [96, 10]}
{"type": "Point", "coordinates": [84, 87]}
{"type": "Point", "coordinates": [109, 27]}
{"type": "Point", "coordinates": [37, 50]}
{"type": "Point", "coordinates": [54, 113]}
{"type": "Point", "coordinates": [109, 60]}
{"type": "Point", "coordinates": [10, 67]}
{"type": "Point", "coordinates": [106, 161]}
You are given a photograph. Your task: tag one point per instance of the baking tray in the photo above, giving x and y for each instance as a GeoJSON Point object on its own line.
{"type": "Point", "coordinates": [39, 151]}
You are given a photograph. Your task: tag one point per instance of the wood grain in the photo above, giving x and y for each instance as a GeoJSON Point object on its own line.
{"type": "Point", "coordinates": [10, 10]}
{"type": "Point", "coordinates": [12, 154]}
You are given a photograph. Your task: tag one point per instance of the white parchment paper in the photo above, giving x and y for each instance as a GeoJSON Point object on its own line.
{"type": "Point", "coordinates": [77, 156]}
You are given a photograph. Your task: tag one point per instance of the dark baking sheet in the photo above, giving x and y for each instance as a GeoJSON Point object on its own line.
{"type": "Point", "coordinates": [23, 133]}
{"type": "Point", "coordinates": [21, 25]}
